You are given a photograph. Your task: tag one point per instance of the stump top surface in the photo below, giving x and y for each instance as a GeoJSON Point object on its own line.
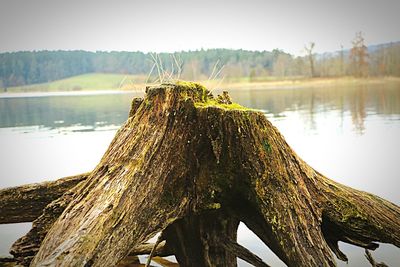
{"type": "Point", "coordinates": [199, 94]}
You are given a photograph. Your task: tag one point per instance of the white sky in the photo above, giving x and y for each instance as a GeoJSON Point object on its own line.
{"type": "Point", "coordinates": [174, 25]}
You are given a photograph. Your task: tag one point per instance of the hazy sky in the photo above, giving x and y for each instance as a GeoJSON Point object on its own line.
{"type": "Point", "coordinates": [174, 25]}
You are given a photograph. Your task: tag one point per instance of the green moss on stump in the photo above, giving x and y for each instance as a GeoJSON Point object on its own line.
{"type": "Point", "coordinates": [214, 103]}
{"type": "Point", "coordinates": [204, 97]}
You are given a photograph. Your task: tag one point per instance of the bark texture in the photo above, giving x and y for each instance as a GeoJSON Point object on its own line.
{"type": "Point", "coordinates": [192, 167]}
{"type": "Point", "coordinates": [26, 203]}
{"type": "Point", "coordinates": [58, 194]}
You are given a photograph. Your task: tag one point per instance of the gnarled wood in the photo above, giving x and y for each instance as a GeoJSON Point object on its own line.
{"type": "Point", "coordinates": [26, 203]}
{"type": "Point", "coordinates": [26, 247]}
{"type": "Point", "coordinates": [192, 167]}
{"type": "Point", "coordinates": [197, 239]}
{"type": "Point", "coordinates": [243, 253]}
{"type": "Point", "coordinates": [372, 260]}
{"type": "Point", "coordinates": [8, 262]}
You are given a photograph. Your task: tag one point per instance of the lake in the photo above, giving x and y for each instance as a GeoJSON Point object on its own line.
{"type": "Point", "coordinates": [351, 135]}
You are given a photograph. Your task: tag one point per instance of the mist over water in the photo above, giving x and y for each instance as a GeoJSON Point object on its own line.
{"type": "Point", "coordinates": [349, 134]}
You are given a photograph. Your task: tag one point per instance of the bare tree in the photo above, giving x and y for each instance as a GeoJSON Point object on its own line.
{"type": "Point", "coordinates": [359, 56]}
{"type": "Point", "coordinates": [341, 61]}
{"type": "Point", "coordinates": [310, 55]}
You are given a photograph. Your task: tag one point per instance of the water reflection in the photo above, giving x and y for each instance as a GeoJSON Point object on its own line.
{"type": "Point", "coordinates": [91, 112]}
{"type": "Point", "coordinates": [358, 101]}
{"type": "Point", "coordinates": [349, 134]}
{"type": "Point", "coordinates": [67, 113]}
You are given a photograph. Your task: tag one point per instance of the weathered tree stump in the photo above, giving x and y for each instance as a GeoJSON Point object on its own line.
{"type": "Point", "coordinates": [192, 167]}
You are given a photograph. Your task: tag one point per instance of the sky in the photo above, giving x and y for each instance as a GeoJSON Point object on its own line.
{"type": "Point", "coordinates": [176, 25]}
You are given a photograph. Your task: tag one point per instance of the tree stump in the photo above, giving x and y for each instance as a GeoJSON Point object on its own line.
{"type": "Point", "coordinates": [192, 167]}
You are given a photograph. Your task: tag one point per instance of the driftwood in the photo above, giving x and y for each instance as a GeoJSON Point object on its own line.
{"type": "Point", "coordinates": [192, 167]}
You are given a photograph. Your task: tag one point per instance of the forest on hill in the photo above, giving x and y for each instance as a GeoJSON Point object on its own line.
{"type": "Point", "coordinates": [23, 68]}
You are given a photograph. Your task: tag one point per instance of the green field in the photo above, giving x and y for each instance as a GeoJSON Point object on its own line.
{"type": "Point", "coordinates": [86, 82]}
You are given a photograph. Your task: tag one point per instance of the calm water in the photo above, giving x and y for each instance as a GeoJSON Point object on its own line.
{"type": "Point", "coordinates": [349, 134]}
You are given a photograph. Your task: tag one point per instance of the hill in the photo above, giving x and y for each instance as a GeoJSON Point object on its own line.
{"type": "Point", "coordinates": [84, 82]}
{"type": "Point", "coordinates": [38, 67]}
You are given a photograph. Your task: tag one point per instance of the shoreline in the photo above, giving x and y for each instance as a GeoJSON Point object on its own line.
{"type": "Point", "coordinates": [309, 82]}
{"type": "Point", "coordinates": [219, 86]}
{"type": "Point", "coordinates": [62, 93]}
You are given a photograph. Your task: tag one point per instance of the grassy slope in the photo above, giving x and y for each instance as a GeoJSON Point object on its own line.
{"type": "Point", "coordinates": [102, 81]}
{"type": "Point", "coordinates": [85, 82]}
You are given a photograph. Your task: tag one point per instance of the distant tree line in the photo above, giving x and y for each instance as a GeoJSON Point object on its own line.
{"type": "Point", "coordinates": [21, 68]}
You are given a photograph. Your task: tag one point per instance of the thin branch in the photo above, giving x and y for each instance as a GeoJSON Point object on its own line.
{"type": "Point", "coordinates": [159, 240]}
{"type": "Point", "coordinates": [243, 253]}
{"type": "Point", "coordinates": [145, 249]}
{"type": "Point", "coordinates": [214, 69]}
{"type": "Point", "coordinates": [172, 69]}
{"type": "Point", "coordinates": [163, 72]}
{"type": "Point", "coordinates": [154, 57]}
{"type": "Point", "coordinates": [216, 75]}
{"type": "Point", "coordinates": [165, 75]}
{"type": "Point", "coordinates": [164, 262]}
{"type": "Point", "coordinates": [178, 63]}
{"type": "Point", "coordinates": [122, 82]}
{"type": "Point", "coordinates": [372, 260]}
{"type": "Point", "coordinates": [151, 71]}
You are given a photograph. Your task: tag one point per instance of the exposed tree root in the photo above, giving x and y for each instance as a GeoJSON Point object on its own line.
{"type": "Point", "coordinates": [372, 261]}
{"type": "Point", "coordinates": [192, 167]}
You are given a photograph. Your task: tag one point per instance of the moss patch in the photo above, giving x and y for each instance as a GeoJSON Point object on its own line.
{"type": "Point", "coordinates": [198, 91]}
{"type": "Point", "coordinates": [214, 103]}
{"type": "Point", "coordinates": [267, 146]}
{"type": "Point", "coordinates": [202, 97]}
